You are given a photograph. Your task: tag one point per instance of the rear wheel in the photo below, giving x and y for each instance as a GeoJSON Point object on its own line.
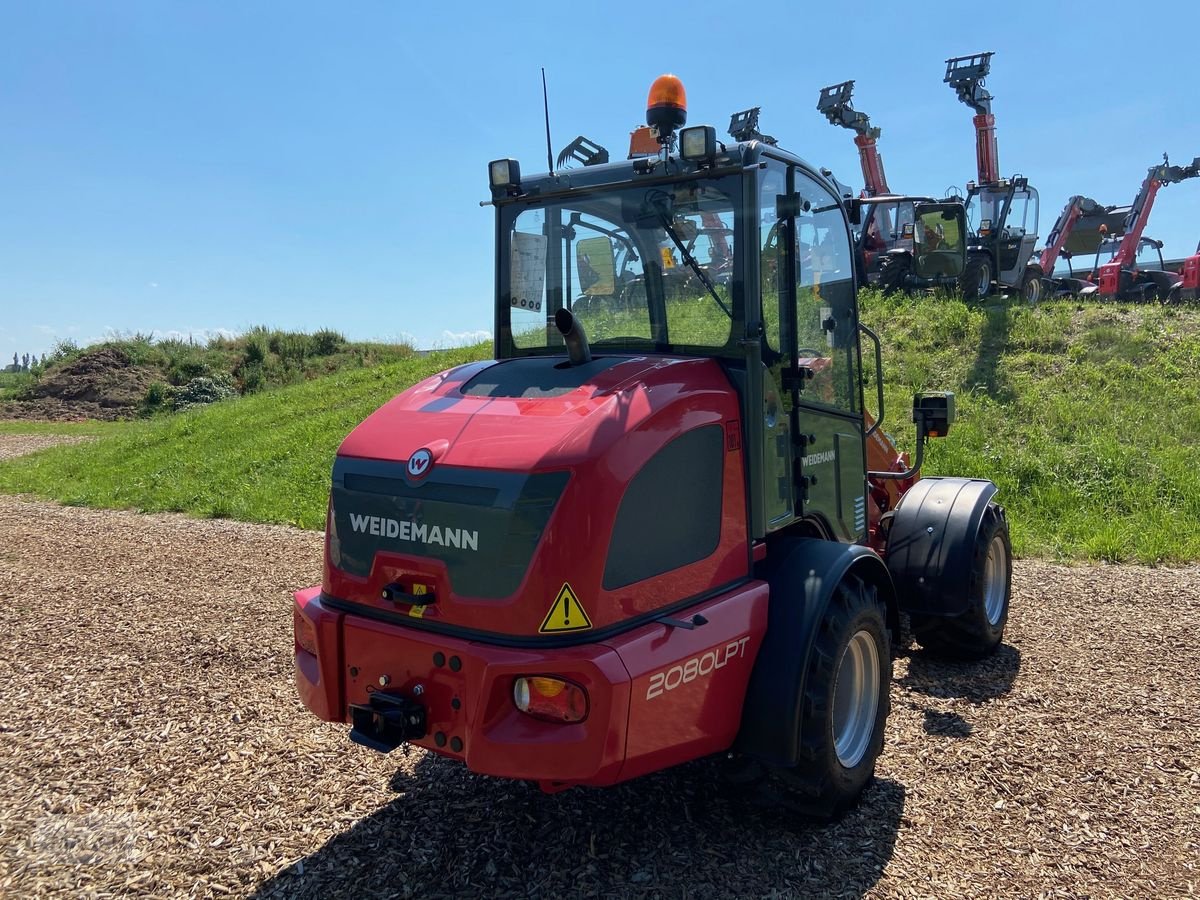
{"type": "Point", "coordinates": [845, 704]}
{"type": "Point", "coordinates": [894, 272]}
{"type": "Point", "coordinates": [1032, 288]}
{"type": "Point", "coordinates": [978, 631]}
{"type": "Point", "coordinates": [1175, 295]}
{"type": "Point", "coordinates": [975, 283]}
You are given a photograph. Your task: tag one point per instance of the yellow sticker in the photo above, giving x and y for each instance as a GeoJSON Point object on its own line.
{"type": "Point", "coordinates": [418, 611]}
{"type": "Point", "coordinates": [668, 258]}
{"type": "Point", "coordinates": [566, 614]}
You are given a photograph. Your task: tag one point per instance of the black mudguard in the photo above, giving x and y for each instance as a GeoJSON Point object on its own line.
{"type": "Point", "coordinates": [931, 542]}
{"type": "Point", "coordinates": [802, 574]}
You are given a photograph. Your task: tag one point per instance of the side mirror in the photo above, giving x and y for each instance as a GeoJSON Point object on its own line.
{"type": "Point", "coordinates": [933, 411]}
{"type": "Point", "coordinates": [854, 211]}
{"type": "Point", "coordinates": [790, 205]}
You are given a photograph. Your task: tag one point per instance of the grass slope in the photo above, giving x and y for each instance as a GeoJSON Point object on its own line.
{"type": "Point", "coordinates": [263, 458]}
{"type": "Point", "coordinates": [1087, 417]}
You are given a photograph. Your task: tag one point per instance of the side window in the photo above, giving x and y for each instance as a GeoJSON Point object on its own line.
{"type": "Point", "coordinates": [826, 319]}
{"type": "Point", "coordinates": [771, 251]}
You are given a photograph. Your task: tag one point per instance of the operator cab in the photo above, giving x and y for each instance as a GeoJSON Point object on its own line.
{"type": "Point", "coordinates": [736, 251]}
{"type": "Point", "coordinates": [1004, 215]}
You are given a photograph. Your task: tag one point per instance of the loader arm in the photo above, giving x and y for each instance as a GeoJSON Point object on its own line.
{"type": "Point", "coordinates": [1075, 209]}
{"type": "Point", "coordinates": [967, 75]}
{"type": "Point", "coordinates": [1139, 213]}
{"type": "Point", "coordinates": [836, 104]}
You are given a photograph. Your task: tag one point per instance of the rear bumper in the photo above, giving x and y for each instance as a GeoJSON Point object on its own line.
{"type": "Point", "coordinates": [658, 695]}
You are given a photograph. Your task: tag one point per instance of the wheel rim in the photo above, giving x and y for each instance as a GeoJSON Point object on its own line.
{"type": "Point", "coordinates": [1033, 290]}
{"type": "Point", "coordinates": [856, 699]}
{"type": "Point", "coordinates": [995, 580]}
{"type": "Point", "coordinates": [985, 280]}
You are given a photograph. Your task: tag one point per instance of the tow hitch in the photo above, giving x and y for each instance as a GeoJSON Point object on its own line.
{"type": "Point", "coordinates": [386, 722]}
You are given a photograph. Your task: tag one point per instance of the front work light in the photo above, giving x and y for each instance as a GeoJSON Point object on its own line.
{"type": "Point", "coordinates": [504, 175]}
{"type": "Point", "coordinates": [698, 142]}
{"type": "Point", "coordinates": [550, 698]}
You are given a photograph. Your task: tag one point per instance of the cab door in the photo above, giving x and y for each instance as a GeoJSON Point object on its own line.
{"type": "Point", "coordinates": [826, 384]}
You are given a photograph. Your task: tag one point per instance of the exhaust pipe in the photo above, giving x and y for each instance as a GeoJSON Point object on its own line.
{"type": "Point", "coordinates": [573, 336]}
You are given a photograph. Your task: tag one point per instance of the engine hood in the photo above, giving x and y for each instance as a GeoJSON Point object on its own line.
{"type": "Point", "coordinates": [522, 414]}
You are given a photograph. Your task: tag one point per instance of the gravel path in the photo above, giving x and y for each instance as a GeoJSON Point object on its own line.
{"type": "Point", "coordinates": [19, 444]}
{"type": "Point", "coordinates": [151, 743]}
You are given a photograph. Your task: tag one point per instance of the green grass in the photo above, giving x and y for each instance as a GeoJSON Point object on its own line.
{"type": "Point", "coordinates": [1087, 417]}
{"type": "Point", "coordinates": [262, 458]}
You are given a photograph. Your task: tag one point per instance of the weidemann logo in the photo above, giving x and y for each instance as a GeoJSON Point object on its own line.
{"type": "Point", "coordinates": [816, 459]}
{"type": "Point", "coordinates": [416, 532]}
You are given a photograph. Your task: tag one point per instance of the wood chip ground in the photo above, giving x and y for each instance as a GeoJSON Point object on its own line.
{"type": "Point", "coordinates": [152, 744]}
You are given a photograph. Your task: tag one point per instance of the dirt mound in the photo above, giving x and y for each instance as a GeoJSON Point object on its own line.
{"type": "Point", "coordinates": [103, 383]}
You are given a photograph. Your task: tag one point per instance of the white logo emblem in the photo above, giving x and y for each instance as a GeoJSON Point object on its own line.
{"type": "Point", "coordinates": [419, 463]}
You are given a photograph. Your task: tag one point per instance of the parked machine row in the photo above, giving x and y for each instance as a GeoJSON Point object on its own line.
{"type": "Point", "coordinates": [903, 248]}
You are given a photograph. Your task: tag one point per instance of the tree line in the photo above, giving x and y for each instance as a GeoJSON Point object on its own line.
{"type": "Point", "coordinates": [22, 362]}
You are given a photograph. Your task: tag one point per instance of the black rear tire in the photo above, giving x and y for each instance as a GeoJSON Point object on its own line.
{"type": "Point", "coordinates": [977, 632]}
{"type": "Point", "coordinates": [1032, 288]}
{"type": "Point", "coordinates": [893, 274]}
{"type": "Point", "coordinates": [975, 283]}
{"type": "Point", "coordinates": [831, 775]}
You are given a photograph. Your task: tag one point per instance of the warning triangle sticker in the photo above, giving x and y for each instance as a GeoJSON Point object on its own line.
{"type": "Point", "coordinates": [566, 614]}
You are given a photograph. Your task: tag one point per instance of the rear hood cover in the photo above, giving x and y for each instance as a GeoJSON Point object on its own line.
{"type": "Point", "coordinates": [520, 414]}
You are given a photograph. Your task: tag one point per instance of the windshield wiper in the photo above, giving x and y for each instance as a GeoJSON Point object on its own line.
{"type": "Point", "coordinates": [669, 227]}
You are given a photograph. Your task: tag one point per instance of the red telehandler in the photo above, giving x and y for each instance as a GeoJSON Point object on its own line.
{"type": "Point", "coordinates": [894, 240]}
{"type": "Point", "coordinates": [1080, 229]}
{"type": "Point", "coordinates": [1188, 285]}
{"type": "Point", "coordinates": [1002, 213]}
{"type": "Point", "coordinates": [1131, 272]}
{"type": "Point", "coordinates": [649, 533]}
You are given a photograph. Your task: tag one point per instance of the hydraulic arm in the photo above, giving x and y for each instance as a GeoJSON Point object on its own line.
{"type": "Point", "coordinates": [1139, 214]}
{"type": "Point", "coordinates": [1077, 208]}
{"type": "Point", "coordinates": [967, 75]}
{"type": "Point", "coordinates": [835, 103]}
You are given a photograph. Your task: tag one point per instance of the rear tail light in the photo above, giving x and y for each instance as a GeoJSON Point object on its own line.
{"type": "Point", "coordinates": [306, 635]}
{"type": "Point", "coordinates": [551, 699]}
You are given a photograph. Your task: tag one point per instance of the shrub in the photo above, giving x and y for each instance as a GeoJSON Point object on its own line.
{"type": "Point", "coordinates": [203, 390]}
{"type": "Point", "coordinates": [255, 352]}
{"type": "Point", "coordinates": [158, 396]}
{"type": "Point", "coordinates": [326, 342]}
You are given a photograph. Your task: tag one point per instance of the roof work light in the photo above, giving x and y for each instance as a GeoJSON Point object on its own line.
{"type": "Point", "coordinates": [504, 175]}
{"type": "Point", "coordinates": [698, 142]}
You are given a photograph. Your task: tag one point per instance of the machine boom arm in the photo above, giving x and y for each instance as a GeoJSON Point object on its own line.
{"type": "Point", "coordinates": [1139, 213]}
{"type": "Point", "coordinates": [835, 102]}
{"type": "Point", "coordinates": [1076, 207]}
{"type": "Point", "coordinates": [967, 75]}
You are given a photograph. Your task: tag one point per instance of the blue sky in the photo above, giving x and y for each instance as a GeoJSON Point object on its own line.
{"type": "Point", "coordinates": [190, 168]}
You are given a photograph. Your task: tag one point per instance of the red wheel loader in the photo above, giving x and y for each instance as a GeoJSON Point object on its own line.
{"type": "Point", "coordinates": [647, 531]}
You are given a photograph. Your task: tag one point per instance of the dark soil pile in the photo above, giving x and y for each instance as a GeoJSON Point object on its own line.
{"type": "Point", "coordinates": [99, 384]}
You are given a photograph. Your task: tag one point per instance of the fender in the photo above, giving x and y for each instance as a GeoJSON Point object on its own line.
{"type": "Point", "coordinates": [802, 574]}
{"type": "Point", "coordinates": [929, 547]}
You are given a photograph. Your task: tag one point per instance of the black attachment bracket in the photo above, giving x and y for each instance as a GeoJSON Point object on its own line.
{"type": "Point", "coordinates": [386, 722]}
{"type": "Point", "coordinates": [395, 593]}
{"type": "Point", "coordinates": [743, 126]}
{"type": "Point", "coordinates": [583, 151]}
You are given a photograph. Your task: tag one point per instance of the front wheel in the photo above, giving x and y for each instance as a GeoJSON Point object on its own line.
{"type": "Point", "coordinates": [845, 704]}
{"type": "Point", "coordinates": [893, 274]}
{"type": "Point", "coordinates": [975, 283]}
{"type": "Point", "coordinates": [978, 630]}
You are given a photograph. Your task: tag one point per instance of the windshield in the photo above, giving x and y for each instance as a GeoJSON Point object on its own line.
{"type": "Point", "coordinates": [641, 268]}
{"type": "Point", "coordinates": [983, 211]}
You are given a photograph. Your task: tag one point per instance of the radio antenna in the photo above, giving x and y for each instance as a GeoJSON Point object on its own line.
{"type": "Point", "coordinates": [546, 107]}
